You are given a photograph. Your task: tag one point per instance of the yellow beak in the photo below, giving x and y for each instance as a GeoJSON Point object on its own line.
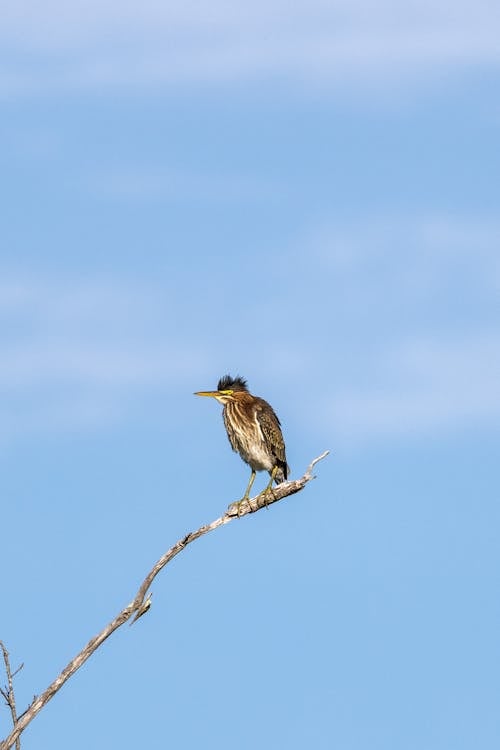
{"type": "Point", "coordinates": [212, 394]}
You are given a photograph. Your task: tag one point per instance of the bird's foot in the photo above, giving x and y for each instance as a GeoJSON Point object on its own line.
{"type": "Point", "coordinates": [267, 493]}
{"type": "Point", "coordinates": [238, 506]}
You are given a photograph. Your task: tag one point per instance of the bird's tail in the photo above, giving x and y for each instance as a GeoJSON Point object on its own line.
{"type": "Point", "coordinates": [282, 473]}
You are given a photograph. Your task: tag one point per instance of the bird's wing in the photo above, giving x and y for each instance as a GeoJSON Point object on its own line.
{"type": "Point", "coordinates": [271, 431]}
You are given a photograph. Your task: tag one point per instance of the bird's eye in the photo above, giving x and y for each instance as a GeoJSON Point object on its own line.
{"type": "Point", "coordinates": [226, 393]}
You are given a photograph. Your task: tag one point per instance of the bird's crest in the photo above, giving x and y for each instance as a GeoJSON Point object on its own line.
{"type": "Point", "coordinates": [228, 383]}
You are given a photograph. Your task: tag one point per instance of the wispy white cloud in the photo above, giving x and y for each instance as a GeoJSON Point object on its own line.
{"type": "Point", "coordinates": [437, 236]}
{"type": "Point", "coordinates": [395, 317]}
{"type": "Point", "coordinates": [426, 387]}
{"type": "Point", "coordinates": [60, 45]}
{"type": "Point", "coordinates": [99, 329]}
{"type": "Point", "coordinates": [421, 258]}
{"type": "Point", "coordinates": [148, 184]}
{"type": "Point", "coordinates": [421, 298]}
{"type": "Point", "coordinates": [82, 353]}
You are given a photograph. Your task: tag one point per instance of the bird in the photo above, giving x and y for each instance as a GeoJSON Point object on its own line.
{"type": "Point", "coordinates": [253, 429]}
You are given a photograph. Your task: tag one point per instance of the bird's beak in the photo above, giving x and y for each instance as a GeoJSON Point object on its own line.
{"type": "Point", "coordinates": [212, 394]}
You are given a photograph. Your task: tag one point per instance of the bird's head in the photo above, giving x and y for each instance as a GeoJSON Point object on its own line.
{"type": "Point", "coordinates": [228, 389]}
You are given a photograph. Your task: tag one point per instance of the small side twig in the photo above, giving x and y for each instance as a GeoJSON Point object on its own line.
{"type": "Point", "coordinates": [8, 690]}
{"type": "Point", "coordinates": [142, 601]}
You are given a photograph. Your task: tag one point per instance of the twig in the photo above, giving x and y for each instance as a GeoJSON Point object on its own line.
{"type": "Point", "coordinates": [8, 691]}
{"type": "Point", "coordinates": [140, 603]}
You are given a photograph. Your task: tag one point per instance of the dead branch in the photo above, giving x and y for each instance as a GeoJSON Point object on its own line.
{"type": "Point", "coordinates": [8, 691]}
{"type": "Point", "coordinates": [142, 600]}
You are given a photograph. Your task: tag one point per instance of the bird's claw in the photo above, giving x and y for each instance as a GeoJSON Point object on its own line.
{"type": "Point", "coordinates": [267, 492]}
{"type": "Point", "coordinates": [237, 506]}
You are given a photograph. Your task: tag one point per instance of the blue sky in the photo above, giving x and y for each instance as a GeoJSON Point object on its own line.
{"type": "Point", "coordinates": [309, 197]}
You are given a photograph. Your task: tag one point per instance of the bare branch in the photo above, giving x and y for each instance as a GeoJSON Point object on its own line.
{"type": "Point", "coordinates": [8, 692]}
{"type": "Point", "coordinates": [141, 602]}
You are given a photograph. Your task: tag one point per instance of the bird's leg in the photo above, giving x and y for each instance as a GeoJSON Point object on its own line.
{"type": "Point", "coordinates": [250, 483]}
{"type": "Point", "coordinates": [246, 496]}
{"type": "Point", "coordinates": [273, 476]}
{"type": "Point", "coordinates": [269, 486]}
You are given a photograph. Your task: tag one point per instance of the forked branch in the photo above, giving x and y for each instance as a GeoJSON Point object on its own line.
{"type": "Point", "coordinates": [7, 692]}
{"type": "Point", "coordinates": [142, 600]}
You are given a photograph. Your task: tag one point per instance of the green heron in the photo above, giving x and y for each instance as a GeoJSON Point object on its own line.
{"type": "Point", "coordinates": [253, 429]}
